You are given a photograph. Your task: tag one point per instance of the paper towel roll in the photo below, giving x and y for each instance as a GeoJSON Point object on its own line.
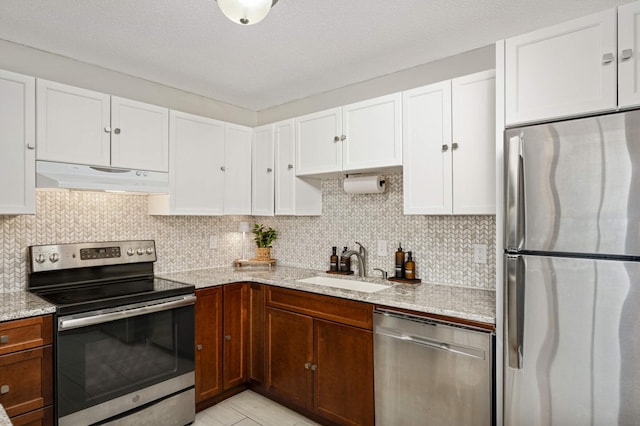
{"type": "Point", "coordinates": [364, 185]}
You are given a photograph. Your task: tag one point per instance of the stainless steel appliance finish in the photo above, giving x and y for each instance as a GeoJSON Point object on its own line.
{"type": "Point", "coordinates": [572, 272]}
{"type": "Point", "coordinates": [430, 372]}
{"type": "Point", "coordinates": [124, 340]}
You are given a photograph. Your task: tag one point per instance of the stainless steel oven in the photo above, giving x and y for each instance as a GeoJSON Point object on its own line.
{"type": "Point", "coordinates": [124, 339]}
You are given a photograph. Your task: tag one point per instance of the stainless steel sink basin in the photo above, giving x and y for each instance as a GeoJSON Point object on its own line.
{"type": "Point", "coordinates": [363, 286]}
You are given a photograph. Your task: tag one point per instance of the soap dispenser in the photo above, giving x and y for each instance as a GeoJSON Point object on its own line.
{"type": "Point", "coordinates": [399, 262]}
{"type": "Point", "coordinates": [333, 260]}
{"type": "Point", "coordinates": [345, 261]}
{"type": "Point", "coordinates": [410, 267]}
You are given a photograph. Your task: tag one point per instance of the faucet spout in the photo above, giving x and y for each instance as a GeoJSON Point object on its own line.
{"type": "Point", "coordinates": [361, 261]}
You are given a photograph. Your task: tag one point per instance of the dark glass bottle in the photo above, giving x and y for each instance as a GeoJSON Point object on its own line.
{"type": "Point", "coordinates": [410, 267]}
{"type": "Point", "coordinates": [345, 261]}
{"type": "Point", "coordinates": [333, 262]}
{"type": "Point", "coordinates": [399, 272]}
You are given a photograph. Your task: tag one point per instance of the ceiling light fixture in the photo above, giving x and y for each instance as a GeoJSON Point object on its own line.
{"type": "Point", "coordinates": [246, 12]}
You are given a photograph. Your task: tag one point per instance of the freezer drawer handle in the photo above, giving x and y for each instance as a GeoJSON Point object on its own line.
{"type": "Point", "coordinates": [434, 344]}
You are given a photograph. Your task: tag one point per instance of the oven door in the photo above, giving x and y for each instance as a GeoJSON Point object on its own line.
{"type": "Point", "coordinates": [112, 361]}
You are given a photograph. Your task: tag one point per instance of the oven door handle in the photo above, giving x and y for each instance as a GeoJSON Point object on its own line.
{"type": "Point", "coordinates": [84, 320]}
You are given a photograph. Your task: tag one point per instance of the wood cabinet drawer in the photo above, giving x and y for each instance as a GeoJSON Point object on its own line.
{"type": "Point", "coordinates": [348, 312]}
{"type": "Point", "coordinates": [25, 333]}
{"type": "Point", "coordinates": [26, 380]}
{"type": "Point", "coordinates": [41, 417]}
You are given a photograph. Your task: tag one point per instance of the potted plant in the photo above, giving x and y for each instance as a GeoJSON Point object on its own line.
{"type": "Point", "coordinates": [264, 237]}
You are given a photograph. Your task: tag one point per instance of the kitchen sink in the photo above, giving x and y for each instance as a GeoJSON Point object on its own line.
{"type": "Point", "coordinates": [363, 286]}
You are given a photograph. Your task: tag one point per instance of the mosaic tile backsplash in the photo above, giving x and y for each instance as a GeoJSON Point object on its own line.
{"type": "Point", "coordinates": [442, 245]}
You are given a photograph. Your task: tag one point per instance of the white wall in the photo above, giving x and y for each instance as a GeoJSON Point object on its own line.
{"type": "Point", "coordinates": [38, 63]}
{"type": "Point", "coordinates": [421, 75]}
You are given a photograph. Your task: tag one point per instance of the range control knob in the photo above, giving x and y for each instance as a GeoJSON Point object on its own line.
{"type": "Point", "coordinates": [140, 251]}
{"type": "Point", "coordinates": [40, 258]}
{"type": "Point", "coordinates": [54, 257]}
{"type": "Point", "coordinates": [149, 250]}
{"type": "Point", "coordinates": [130, 252]}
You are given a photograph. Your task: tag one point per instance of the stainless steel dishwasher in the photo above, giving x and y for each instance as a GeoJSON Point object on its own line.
{"type": "Point", "coordinates": [429, 372]}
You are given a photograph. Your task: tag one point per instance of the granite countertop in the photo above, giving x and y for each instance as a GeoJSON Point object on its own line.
{"type": "Point", "coordinates": [459, 302]}
{"type": "Point", "coordinates": [22, 304]}
{"type": "Point", "coordinates": [4, 419]}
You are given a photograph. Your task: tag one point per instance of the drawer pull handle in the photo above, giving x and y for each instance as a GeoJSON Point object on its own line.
{"type": "Point", "coordinates": [4, 389]}
{"type": "Point", "coordinates": [4, 339]}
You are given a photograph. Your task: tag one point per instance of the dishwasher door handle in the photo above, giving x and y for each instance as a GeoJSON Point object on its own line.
{"type": "Point", "coordinates": [434, 344]}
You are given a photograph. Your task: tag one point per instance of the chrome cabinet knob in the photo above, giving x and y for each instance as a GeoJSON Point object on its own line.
{"type": "Point", "coordinates": [31, 146]}
{"type": "Point", "coordinates": [336, 138]}
{"type": "Point", "coordinates": [307, 365]}
{"type": "Point", "coordinates": [269, 169]}
{"type": "Point", "coordinates": [290, 166]}
{"type": "Point", "coordinates": [626, 54]}
{"type": "Point", "coordinates": [227, 338]}
{"type": "Point", "coordinates": [222, 168]}
{"type": "Point", "coordinates": [4, 389]}
{"type": "Point", "coordinates": [343, 137]}
{"type": "Point", "coordinates": [445, 148]}
{"type": "Point", "coordinates": [199, 347]}
{"type": "Point", "coordinates": [107, 129]}
{"type": "Point", "coordinates": [116, 131]}
{"type": "Point", "coordinates": [314, 367]}
{"type": "Point", "coordinates": [454, 145]}
{"type": "Point", "coordinates": [4, 339]}
{"type": "Point", "coordinates": [607, 58]}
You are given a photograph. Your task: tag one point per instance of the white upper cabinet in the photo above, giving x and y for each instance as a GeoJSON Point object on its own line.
{"type": "Point", "coordinates": [449, 146]}
{"type": "Point", "coordinates": [293, 195]}
{"type": "Point", "coordinates": [358, 137]}
{"type": "Point", "coordinates": [262, 181]}
{"type": "Point", "coordinates": [372, 136]}
{"type": "Point", "coordinates": [628, 54]}
{"type": "Point", "coordinates": [427, 155]}
{"type": "Point", "coordinates": [474, 140]}
{"type": "Point", "coordinates": [237, 169]}
{"type": "Point", "coordinates": [564, 70]}
{"type": "Point", "coordinates": [140, 137]}
{"type": "Point", "coordinates": [318, 142]}
{"type": "Point", "coordinates": [85, 127]}
{"type": "Point", "coordinates": [17, 143]}
{"type": "Point", "coordinates": [73, 124]}
{"type": "Point", "coordinates": [196, 183]}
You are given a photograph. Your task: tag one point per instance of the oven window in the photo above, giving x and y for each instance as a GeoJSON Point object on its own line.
{"type": "Point", "coordinates": [101, 362]}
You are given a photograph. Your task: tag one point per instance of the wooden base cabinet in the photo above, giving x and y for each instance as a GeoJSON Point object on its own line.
{"type": "Point", "coordinates": [221, 339]}
{"type": "Point", "coordinates": [319, 365]}
{"type": "Point", "coordinates": [26, 370]}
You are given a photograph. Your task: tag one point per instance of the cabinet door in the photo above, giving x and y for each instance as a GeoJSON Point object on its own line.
{"type": "Point", "coordinates": [284, 142]}
{"type": "Point", "coordinates": [208, 368]}
{"type": "Point", "coordinates": [262, 176]}
{"type": "Point", "coordinates": [564, 70]}
{"type": "Point", "coordinates": [344, 375]}
{"type": "Point", "coordinates": [474, 143]}
{"type": "Point", "coordinates": [294, 195]}
{"type": "Point", "coordinates": [427, 150]}
{"type": "Point", "coordinates": [373, 130]}
{"type": "Point", "coordinates": [237, 170]}
{"type": "Point", "coordinates": [628, 50]}
{"type": "Point", "coordinates": [318, 146]}
{"type": "Point", "coordinates": [195, 180]}
{"type": "Point", "coordinates": [72, 124]}
{"type": "Point", "coordinates": [235, 334]}
{"type": "Point", "coordinates": [289, 351]}
{"type": "Point", "coordinates": [140, 135]}
{"type": "Point", "coordinates": [256, 334]}
{"type": "Point", "coordinates": [28, 378]}
{"type": "Point", "coordinates": [18, 142]}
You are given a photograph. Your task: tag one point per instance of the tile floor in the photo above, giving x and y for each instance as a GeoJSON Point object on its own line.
{"type": "Point", "coordinates": [250, 409]}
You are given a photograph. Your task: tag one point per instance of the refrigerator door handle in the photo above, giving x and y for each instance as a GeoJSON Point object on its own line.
{"type": "Point", "coordinates": [515, 309]}
{"type": "Point", "coordinates": [514, 192]}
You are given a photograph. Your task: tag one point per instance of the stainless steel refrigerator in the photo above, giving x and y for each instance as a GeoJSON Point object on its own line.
{"type": "Point", "coordinates": [572, 272]}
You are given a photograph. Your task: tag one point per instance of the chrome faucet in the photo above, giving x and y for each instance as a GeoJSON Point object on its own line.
{"type": "Point", "coordinates": [361, 256]}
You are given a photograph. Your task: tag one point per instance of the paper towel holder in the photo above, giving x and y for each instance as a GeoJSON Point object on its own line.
{"type": "Point", "coordinates": [364, 184]}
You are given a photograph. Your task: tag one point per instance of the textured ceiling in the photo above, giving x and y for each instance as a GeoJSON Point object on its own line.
{"type": "Point", "coordinates": [302, 48]}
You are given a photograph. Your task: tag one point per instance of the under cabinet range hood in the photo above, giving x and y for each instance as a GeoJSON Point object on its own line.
{"type": "Point", "coordinates": [94, 178]}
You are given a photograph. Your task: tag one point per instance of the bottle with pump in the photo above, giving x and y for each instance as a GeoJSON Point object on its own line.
{"type": "Point", "coordinates": [333, 261]}
{"type": "Point", "coordinates": [410, 267]}
{"type": "Point", "coordinates": [399, 262]}
{"type": "Point", "coordinates": [345, 261]}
